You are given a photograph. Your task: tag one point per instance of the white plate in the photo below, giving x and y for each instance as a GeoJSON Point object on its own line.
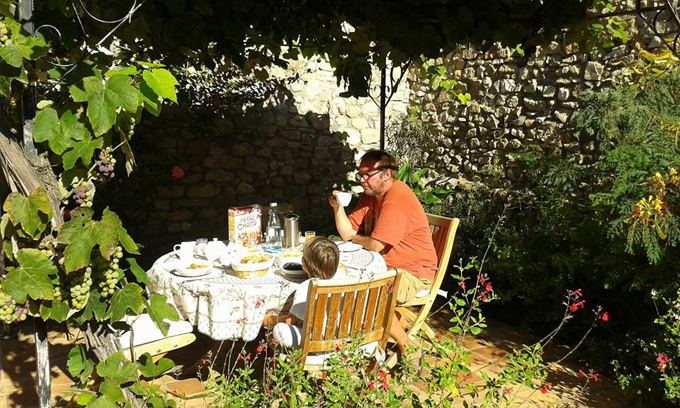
{"type": "Point", "coordinates": [184, 269]}
{"type": "Point", "coordinates": [348, 246]}
{"type": "Point", "coordinates": [192, 273]}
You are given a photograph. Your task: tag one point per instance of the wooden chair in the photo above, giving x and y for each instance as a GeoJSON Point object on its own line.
{"type": "Point", "coordinates": [443, 231]}
{"type": "Point", "coordinates": [337, 310]}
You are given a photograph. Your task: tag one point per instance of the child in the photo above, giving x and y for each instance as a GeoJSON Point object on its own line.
{"type": "Point", "coordinates": [320, 260]}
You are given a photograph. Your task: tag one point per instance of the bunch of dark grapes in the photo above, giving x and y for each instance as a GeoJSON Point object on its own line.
{"type": "Point", "coordinates": [83, 194]}
{"type": "Point", "coordinates": [112, 274]}
{"type": "Point", "coordinates": [79, 287]}
{"type": "Point", "coordinates": [4, 34]}
{"type": "Point", "coordinates": [105, 164]}
{"type": "Point", "coordinates": [10, 311]}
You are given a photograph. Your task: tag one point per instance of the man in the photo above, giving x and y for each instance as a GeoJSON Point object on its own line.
{"type": "Point", "coordinates": [390, 220]}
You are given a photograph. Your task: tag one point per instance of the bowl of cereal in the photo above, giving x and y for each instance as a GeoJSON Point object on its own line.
{"type": "Point", "coordinates": [252, 265]}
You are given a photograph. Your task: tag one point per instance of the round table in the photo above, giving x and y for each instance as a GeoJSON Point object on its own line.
{"type": "Point", "coordinates": [225, 307]}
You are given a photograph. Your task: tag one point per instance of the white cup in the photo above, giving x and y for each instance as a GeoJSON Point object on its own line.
{"type": "Point", "coordinates": [343, 198]}
{"type": "Point", "coordinates": [184, 251]}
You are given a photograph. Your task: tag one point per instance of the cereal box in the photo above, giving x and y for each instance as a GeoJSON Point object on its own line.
{"type": "Point", "coordinates": [245, 225]}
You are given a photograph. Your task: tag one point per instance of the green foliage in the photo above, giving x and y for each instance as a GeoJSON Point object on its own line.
{"type": "Point", "coordinates": [414, 179]}
{"type": "Point", "coordinates": [436, 75]}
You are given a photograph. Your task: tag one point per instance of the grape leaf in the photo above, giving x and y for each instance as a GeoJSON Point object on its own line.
{"type": "Point", "coordinates": [111, 369]}
{"type": "Point", "coordinates": [150, 100]}
{"type": "Point", "coordinates": [159, 309]}
{"type": "Point", "coordinates": [79, 362]}
{"type": "Point", "coordinates": [59, 133]}
{"type": "Point", "coordinates": [82, 233]}
{"type": "Point", "coordinates": [55, 309]}
{"type": "Point", "coordinates": [104, 100]}
{"type": "Point", "coordinates": [127, 298]}
{"type": "Point", "coordinates": [32, 212]}
{"type": "Point", "coordinates": [112, 391]}
{"type": "Point", "coordinates": [122, 71]}
{"type": "Point", "coordinates": [31, 46]}
{"type": "Point", "coordinates": [12, 55]}
{"type": "Point", "coordinates": [94, 307]}
{"type": "Point", "coordinates": [151, 370]}
{"type": "Point", "coordinates": [81, 150]}
{"type": "Point", "coordinates": [30, 278]}
{"type": "Point", "coordinates": [162, 82]}
{"type": "Point", "coordinates": [138, 271]}
{"type": "Point", "coordinates": [102, 402]}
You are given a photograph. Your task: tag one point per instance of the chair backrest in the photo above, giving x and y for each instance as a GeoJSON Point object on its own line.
{"type": "Point", "coordinates": [337, 310]}
{"type": "Point", "coordinates": [443, 231]}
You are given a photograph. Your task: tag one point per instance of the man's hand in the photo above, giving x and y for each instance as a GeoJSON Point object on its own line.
{"type": "Point", "coordinates": [270, 319]}
{"type": "Point", "coordinates": [333, 201]}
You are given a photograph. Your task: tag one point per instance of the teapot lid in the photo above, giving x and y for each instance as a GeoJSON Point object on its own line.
{"type": "Point", "coordinates": [291, 215]}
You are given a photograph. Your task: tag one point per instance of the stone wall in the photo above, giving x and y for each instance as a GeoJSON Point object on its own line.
{"type": "Point", "coordinates": [517, 101]}
{"type": "Point", "coordinates": [293, 148]}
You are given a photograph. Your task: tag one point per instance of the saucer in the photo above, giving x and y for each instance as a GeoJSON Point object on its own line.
{"type": "Point", "coordinates": [348, 246]}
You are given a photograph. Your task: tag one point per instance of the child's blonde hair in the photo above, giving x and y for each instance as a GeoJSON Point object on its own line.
{"type": "Point", "coordinates": [320, 258]}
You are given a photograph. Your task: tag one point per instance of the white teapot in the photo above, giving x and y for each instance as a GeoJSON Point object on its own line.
{"type": "Point", "coordinates": [217, 249]}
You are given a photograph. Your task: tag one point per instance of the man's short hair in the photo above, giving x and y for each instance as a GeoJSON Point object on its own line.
{"type": "Point", "coordinates": [321, 257]}
{"type": "Point", "coordinates": [383, 161]}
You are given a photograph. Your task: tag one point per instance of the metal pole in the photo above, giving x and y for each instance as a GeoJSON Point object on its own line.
{"type": "Point", "coordinates": [28, 109]}
{"type": "Point", "coordinates": [383, 106]}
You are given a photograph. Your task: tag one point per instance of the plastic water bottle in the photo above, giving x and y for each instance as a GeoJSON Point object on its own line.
{"type": "Point", "coordinates": [273, 235]}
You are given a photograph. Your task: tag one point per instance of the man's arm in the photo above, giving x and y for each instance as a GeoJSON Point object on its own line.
{"type": "Point", "coordinates": [342, 222]}
{"type": "Point", "coordinates": [368, 243]}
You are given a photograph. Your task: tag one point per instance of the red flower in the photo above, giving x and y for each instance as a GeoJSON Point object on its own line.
{"type": "Point", "coordinates": [484, 298]}
{"type": "Point", "coordinates": [581, 304]}
{"type": "Point", "coordinates": [573, 307]}
{"type": "Point", "coordinates": [462, 285]}
{"type": "Point", "coordinates": [249, 356]}
{"type": "Point", "coordinates": [546, 387]}
{"type": "Point", "coordinates": [260, 349]}
{"type": "Point", "coordinates": [371, 386]}
{"type": "Point", "coordinates": [240, 357]}
{"type": "Point", "coordinates": [177, 173]}
{"type": "Point", "coordinates": [577, 293]}
{"type": "Point", "coordinates": [581, 374]}
{"type": "Point", "coordinates": [488, 287]}
{"type": "Point", "coordinates": [508, 391]}
{"type": "Point", "coordinates": [605, 317]}
{"type": "Point", "coordinates": [438, 336]}
{"type": "Point", "coordinates": [662, 359]}
{"type": "Point", "coordinates": [385, 384]}
{"type": "Point", "coordinates": [323, 375]}
{"type": "Point", "coordinates": [382, 374]}
{"type": "Point", "coordinates": [270, 392]}
{"type": "Point", "coordinates": [337, 348]}
{"type": "Point", "coordinates": [481, 278]}
{"type": "Point", "coordinates": [596, 377]}
{"type": "Point", "coordinates": [345, 357]}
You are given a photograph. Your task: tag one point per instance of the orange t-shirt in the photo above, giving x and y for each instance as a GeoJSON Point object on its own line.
{"type": "Point", "coordinates": [401, 224]}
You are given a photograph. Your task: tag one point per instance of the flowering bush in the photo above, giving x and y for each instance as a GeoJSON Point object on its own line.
{"type": "Point", "coordinates": [447, 372]}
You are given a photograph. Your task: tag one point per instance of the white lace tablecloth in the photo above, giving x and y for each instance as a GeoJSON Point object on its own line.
{"type": "Point", "coordinates": [226, 307]}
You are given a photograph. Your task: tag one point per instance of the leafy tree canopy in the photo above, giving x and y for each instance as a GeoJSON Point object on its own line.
{"type": "Point", "coordinates": [353, 34]}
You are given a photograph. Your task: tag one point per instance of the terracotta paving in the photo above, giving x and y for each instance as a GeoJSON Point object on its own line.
{"type": "Point", "coordinates": [488, 351]}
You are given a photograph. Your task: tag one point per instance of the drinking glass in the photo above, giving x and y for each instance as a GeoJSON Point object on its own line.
{"type": "Point", "coordinates": [201, 245]}
{"type": "Point", "coordinates": [309, 235]}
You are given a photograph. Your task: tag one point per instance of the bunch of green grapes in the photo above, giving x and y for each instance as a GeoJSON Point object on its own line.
{"type": "Point", "coordinates": [10, 311]}
{"type": "Point", "coordinates": [47, 248]}
{"type": "Point", "coordinates": [128, 129]}
{"type": "Point", "coordinates": [4, 34]}
{"type": "Point", "coordinates": [112, 274]}
{"type": "Point", "coordinates": [79, 287]}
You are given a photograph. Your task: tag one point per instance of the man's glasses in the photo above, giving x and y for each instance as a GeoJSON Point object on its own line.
{"type": "Point", "coordinates": [367, 176]}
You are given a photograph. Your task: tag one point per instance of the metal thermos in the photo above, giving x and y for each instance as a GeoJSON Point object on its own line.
{"type": "Point", "coordinates": [291, 230]}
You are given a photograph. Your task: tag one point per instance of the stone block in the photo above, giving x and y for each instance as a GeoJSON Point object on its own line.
{"type": "Point", "coordinates": [318, 121]}
{"type": "Point", "coordinates": [562, 115]}
{"type": "Point", "coordinates": [370, 136]}
{"type": "Point", "coordinates": [563, 94]}
{"type": "Point", "coordinates": [220, 176]}
{"type": "Point", "coordinates": [223, 162]}
{"type": "Point", "coordinates": [593, 71]}
{"type": "Point", "coordinates": [256, 164]}
{"type": "Point", "coordinates": [206, 190]}
{"type": "Point", "coordinates": [174, 191]}
{"type": "Point", "coordinates": [244, 189]}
